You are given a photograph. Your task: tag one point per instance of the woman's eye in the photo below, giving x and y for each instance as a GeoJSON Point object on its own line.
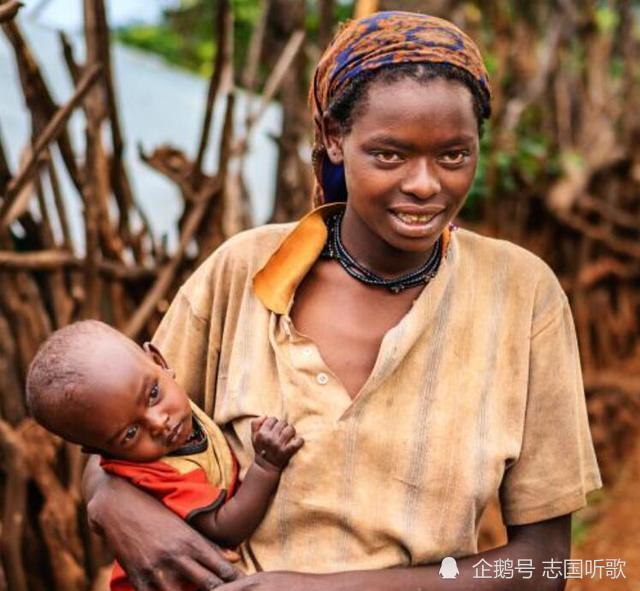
{"type": "Point", "coordinates": [455, 157]}
{"type": "Point", "coordinates": [154, 393]}
{"type": "Point", "coordinates": [130, 433]}
{"type": "Point", "coordinates": [387, 157]}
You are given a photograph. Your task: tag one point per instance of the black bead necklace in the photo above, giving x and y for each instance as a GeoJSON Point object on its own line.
{"type": "Point", "coordinates": [334, 249]}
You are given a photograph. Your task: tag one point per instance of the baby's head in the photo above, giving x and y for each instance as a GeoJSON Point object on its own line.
{"type": "Point", "coordinates": [93, 386]}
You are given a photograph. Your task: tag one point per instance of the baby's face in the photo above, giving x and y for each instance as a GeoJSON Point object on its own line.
{"type": "Point", "coordinates": [133, 409]}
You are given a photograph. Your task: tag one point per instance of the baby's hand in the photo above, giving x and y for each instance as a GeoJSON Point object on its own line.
{"type": "Point", "coordinates": [274, 442]}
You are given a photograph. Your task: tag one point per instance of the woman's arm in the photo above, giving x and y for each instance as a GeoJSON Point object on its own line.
{"type": "Point", "coordinates": [538, 542]}
{"type": "Point", "coordinates": [131, 520]}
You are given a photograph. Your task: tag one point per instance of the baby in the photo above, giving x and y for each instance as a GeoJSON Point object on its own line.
{"type": "Point", "coordinates": [93, 386]}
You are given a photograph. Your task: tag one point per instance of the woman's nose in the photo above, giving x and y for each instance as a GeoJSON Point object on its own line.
{"type": "Point", "coordinates": [421, 180]}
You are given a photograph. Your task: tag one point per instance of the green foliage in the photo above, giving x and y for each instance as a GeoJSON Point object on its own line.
{"type": "Point", "coordinates": [343, 10]}
{"type": "Point", "coordinates": [531, 163]}
{"type": "Point", "coordinates": [160, 40]}
{"type": "Point", "coordinates": [185, 38]}
{"type": "Point", "coordinates": [606, 19]}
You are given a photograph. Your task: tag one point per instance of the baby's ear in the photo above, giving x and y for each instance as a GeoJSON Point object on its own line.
{"type": "Point", "coordinates": [152, 351]}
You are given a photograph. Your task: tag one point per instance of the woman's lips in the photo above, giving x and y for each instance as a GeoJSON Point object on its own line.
{"type": "Point", "coordinates": [414, 224]}
{"type": "Point", "coordinates": [414, 218]}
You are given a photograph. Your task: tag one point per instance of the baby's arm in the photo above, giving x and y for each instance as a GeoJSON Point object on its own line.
{"type": "Point", "coordinates": [274, 442]}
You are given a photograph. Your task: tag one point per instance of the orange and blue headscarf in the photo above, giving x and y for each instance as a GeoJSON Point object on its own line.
{"type": "Point", "coordinates": [373, 42]}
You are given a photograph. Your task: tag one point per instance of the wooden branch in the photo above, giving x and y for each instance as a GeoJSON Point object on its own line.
{"type": "Point", "coordinates": [273, 83]}
{"type": "Point", "coordinates": [249, 75]}
{"type": "Point", "coordinates": [626, 247]}
{"type": "Point", "coordinates": [20, 204]}
{"type": "Point", "coordinates": [12, 406]}
{"type": "Point", "coordinates": [58, 517]}
{"type": "Point", "coordinates": [61, 208]}
{"type": "Point", "coordinates": [605, 268]}
{"type": "Point", "coordinates": [54, 259]}
{"type": "Point", "coordinates": [211, 232]}
{"type": "Point", "coordinates": [38, 97]}
{"type": "Point", "coordinates": [167, 275]}
{"type": "Point", "coordinates": [118, 176]}
{"type": "Point", "coordinates": [5, 172]}
{"type": "Point", "coordinates": [75, 71]}
{"type": "Point", "coordinates": [15, 506]}
{"type": "Point", "coordinates": [172, 163]}
{"type": "Point", "coordinates": [326, 22]}
{"type": "Point", "coordinates": [536, 86]}
{"type": "Point", "coordinates": [224, 37]}
{"type": "Point", "coordinates": [54, 286]}
{"type": "Point", "coordinates": [9, 10]}
{"type": "Point", "coordinates": [51, 132]}
{"type": "Point", "coordinates": [609, 213]}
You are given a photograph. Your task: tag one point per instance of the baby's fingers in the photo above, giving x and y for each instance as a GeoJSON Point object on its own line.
{"type": "Point", "coordinates": [287, 433]}
{"type": "Point", "coordinates": [256, 424]}
{"type": "Point", "coordinates": [293, 446]}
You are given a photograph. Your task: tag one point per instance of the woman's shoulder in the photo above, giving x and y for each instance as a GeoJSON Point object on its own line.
{"type": "Point", "coordinates": [255, 245]}
{"type": "Point", "coordinates": [236, 260]}
{"type": "Point", "coordinates": [521, 269]}
{"type": "Point", "coordinates": [487, 250]}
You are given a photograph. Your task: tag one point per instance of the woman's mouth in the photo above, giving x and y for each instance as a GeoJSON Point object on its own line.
{"type": "Point", "coordinates": [414, 218]}
{"type": "Point", "coordinates": [416, 224]}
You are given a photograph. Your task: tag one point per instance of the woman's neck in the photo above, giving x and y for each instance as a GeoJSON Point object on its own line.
{"type": "Point", "coordinates": [374, 253]}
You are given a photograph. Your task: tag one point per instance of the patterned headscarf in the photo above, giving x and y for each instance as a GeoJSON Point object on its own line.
{"type": "Point", "coordinates": [378, 40]}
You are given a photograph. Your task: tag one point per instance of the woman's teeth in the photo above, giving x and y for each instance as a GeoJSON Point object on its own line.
{"type": "Point", "coordinates": [412, 218]}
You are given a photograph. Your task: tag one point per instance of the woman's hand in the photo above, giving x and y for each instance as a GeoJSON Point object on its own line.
{"type": "Point", "coordinates": [277, 581]}
{"type": "Point", "coordinates": [156, 548]}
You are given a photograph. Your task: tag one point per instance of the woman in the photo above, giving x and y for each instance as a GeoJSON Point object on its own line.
{"type": "Point", "coordinates": [426, 368]}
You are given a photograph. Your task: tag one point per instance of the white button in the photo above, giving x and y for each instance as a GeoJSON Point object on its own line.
{"type": "Point", "coordinates": [322, 378]}
{"type": "Point", "coordinates": [307, 351]}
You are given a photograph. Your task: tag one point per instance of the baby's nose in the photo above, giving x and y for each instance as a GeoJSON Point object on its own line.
{"type": "Point", "coordinates": [158, 422]}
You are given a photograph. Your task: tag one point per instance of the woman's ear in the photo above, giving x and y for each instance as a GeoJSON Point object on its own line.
{"type": "Point", "coordinates": [332, 139]}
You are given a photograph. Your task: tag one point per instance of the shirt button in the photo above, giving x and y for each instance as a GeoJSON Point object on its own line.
{"type": "Point", "coordinates": [322, 378]}
{"type": "Point", "coordinates": [306, 351]}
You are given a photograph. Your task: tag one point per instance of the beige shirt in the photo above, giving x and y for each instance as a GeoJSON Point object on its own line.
{"type": "Point", "coordinates": [476, 390]}
{"type": "Point", "coordinates": [215, 459]}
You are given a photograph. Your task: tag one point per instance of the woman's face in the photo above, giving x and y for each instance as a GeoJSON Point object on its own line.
{"type": "Point", "coordinates": [409, 159]}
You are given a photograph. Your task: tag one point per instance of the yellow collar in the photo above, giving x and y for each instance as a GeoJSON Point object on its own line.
{"type": "Point", "coordinates": [276, 283]}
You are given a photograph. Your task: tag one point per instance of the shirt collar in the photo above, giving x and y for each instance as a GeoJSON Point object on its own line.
{"type": "Point", "coordinates": [276, 282]}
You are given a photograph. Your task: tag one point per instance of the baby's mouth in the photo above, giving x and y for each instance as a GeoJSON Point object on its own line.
{"type": "Point", "coordinates": [174, 434]}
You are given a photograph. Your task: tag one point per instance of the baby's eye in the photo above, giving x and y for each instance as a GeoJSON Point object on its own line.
{"type": "Point", "coordinates": [130, 434]}
{"type": "Point", "coordinates": [388, 157]}
{"type": "Point", "coordinates": [455, 157]}
{"type": "Point", "coordinates": [154, 393]}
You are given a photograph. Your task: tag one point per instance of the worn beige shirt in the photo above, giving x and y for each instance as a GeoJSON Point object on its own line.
{"type": "Point", "coordinates": [477, 390]}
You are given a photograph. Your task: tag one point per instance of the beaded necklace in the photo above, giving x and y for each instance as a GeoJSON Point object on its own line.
{"type": "Point", "coordinates": [334, 249]}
